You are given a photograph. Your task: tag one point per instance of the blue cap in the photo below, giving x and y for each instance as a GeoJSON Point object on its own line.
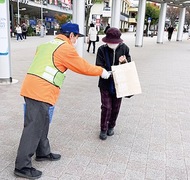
{"type": "Point", "coordinates": [71, 28]}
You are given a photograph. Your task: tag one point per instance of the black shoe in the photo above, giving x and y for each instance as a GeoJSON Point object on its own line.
{"type": "Point", "coordinates": [30, 173]}
{"type": "Point", "coordinates": [49, 157]}
{"type": "Point", "coordinates": [87, 50]}
{"type": "Point", "coordinates": [110, 132]}
{"type": "Point", "coordinates": [103, 135]}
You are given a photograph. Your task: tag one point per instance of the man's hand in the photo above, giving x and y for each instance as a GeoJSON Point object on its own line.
{"type": "Point", "coordinates": [105, 74]}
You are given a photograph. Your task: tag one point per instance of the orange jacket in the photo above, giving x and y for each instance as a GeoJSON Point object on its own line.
{"type": "Point", "coordinates": [65, 57]}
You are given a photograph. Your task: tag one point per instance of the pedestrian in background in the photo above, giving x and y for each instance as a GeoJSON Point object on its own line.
{"type": "Point", "coordinates": [170, 32]}
{"type": "Point", "coordinates": [18, 32]}
{"type": "Point", "coordinates": [37, 30]}
{"type": "Point", "coordinates": [114, 52]}
{"type": "Point", "coordinates": [188, 33]}
{"type": "Point", "coordinates": [40, 89]}
{"type": "Point", "coordinates": [92, 37]}
{"type": "Point", "coordinates": [107, 27]}
{"type": "Point", "coordinates": [24, 30]}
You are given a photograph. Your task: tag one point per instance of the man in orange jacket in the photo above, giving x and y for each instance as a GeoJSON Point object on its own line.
{"type": "Point", "coordinates": [41, 89]}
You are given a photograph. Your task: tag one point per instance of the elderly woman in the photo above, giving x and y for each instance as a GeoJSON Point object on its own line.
{"type": "Point", "coordinates": [114, 52]}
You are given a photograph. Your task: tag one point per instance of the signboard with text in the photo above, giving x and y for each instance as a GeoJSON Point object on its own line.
{"type": "Point", "coordinates": [4, 40]}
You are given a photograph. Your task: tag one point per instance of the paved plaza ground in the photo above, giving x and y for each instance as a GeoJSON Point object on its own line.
{"type": "Point", "coordinates": [152, 136]}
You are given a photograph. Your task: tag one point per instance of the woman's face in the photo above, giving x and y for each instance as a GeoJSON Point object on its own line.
{"type": "Point", "coordinates": [112, 46]}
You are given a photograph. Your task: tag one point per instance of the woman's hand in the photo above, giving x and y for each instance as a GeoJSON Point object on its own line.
{"type": "Point", "coordinates": [122, 59]}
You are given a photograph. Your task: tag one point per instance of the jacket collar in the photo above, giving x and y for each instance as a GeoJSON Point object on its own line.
{"type": "Point", "coordinates": [64, 38]}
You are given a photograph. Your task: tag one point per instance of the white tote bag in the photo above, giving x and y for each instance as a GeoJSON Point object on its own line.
{"type": "Point", "coordinates": [126, 79]}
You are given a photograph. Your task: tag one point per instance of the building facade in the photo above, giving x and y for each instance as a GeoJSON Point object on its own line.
{"type": "Point", "coordinates": [35, 12]}
{"type": "Point", "coordinates": [101, 13]}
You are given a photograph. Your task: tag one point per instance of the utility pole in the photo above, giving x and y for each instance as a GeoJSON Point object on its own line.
{"type": "Point", "coordinates": [42, 27]}
{"type": "Point", "coordinates": [18, 12]}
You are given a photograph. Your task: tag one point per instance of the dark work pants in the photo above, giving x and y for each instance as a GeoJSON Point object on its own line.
{"type": "Point", "coordinates": [34, 136]}
{"type": "Point", "coordinates": [94, 45]}
{"type": "Point", "coordinates": [169, 35]}
{"type": "Point", "coordinates": [109, 110]}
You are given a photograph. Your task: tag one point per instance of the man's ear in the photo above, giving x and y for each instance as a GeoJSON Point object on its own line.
{"type": "Point", "coordinates": [71, 35]}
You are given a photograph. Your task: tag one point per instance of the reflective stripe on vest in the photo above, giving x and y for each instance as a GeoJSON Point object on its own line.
{"type": "Point", "coordinates": [43, 64]}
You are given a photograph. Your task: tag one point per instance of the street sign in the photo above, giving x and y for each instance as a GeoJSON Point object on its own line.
{"type": "Point", "coordinates": [149, 19]}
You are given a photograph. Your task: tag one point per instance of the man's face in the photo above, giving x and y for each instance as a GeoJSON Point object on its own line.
{"type": "Point", "coordinates": [73, 38]}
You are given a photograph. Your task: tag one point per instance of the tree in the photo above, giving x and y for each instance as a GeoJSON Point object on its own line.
{"type": "Point", "coordinates": [152, 12]}
{"type": "Point", "coordinates": [187, 16]}
{"type": "Point", "coordinates": [63, 18]}
{"type": "Point", "coordinates": [172, 14]}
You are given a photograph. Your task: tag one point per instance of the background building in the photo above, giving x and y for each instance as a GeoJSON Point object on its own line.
{"type": "Point", "coordinates": [101, 14]}
{"type": "Point", "coordinates": [36, 12]}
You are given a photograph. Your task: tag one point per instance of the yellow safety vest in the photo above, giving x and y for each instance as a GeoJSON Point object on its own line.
{"type": "Point", "coordinates": [43, 65]}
